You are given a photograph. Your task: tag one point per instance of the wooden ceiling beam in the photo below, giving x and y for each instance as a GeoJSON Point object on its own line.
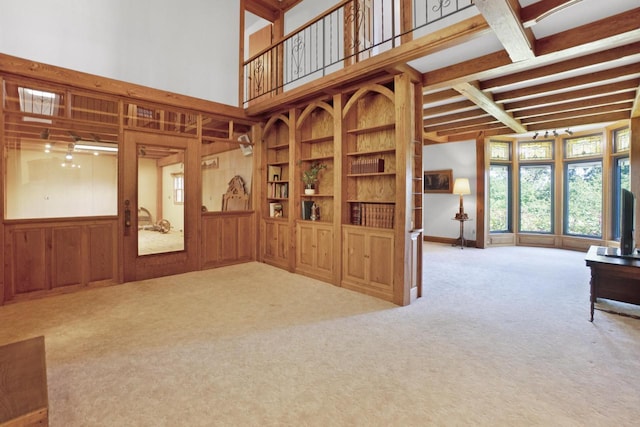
{"type": "Point", "coordinates": [596, 35]}
{"type": "Point", "coordinates": [447, 108]}
{"type": "Point", "coordinates": [536, 12]}
{"type": "Point", "coordinates": [485, 101]}
{"type": "Point", "coordinates": [575, 105]}
{"type": "Point", "coordinates": [439, 96]}
{"type": "Point", "coordinates": [478, 128]}
{"type": "Point", "coordinates": [475, 135]}
{"type": "Point", "coordinates": [563, 66]}
{"type": "Point", "coordinates": [553, 48]}
{"type": "Point", "coordinates": [580, 121]}
{"type": "Point", "coordinates": [611, 88]}
{"type": "Point", "coordinates": [625, 72]}
{"type": "Point", "coordinates": [472, 69]}
{"type": "Point", "coordinates": [433, 138]}
{"type": "Point", "coordinates": [488, 120]}
{"type": "Point", "coordinates": [505, 22]}
{"type": "Point", "coordinates": [270, 10]}
{"type": "Point", "coordinates": [261, 10]}
{"type": "Point", "coordinates": [591, 111]}
{"type": "Point", "coordinates": [452, 118]}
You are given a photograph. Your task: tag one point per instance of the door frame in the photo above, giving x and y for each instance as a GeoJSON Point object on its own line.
{"type": "Point", "coordinates": [132, 266]}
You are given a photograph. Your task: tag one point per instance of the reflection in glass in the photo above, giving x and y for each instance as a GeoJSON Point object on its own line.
{"type": "Point", "coordinates": [219, 172]}
{"type": "Point", "coordinates": [54, 178]}
{"type": "Point", "coordinates": [160, 200]}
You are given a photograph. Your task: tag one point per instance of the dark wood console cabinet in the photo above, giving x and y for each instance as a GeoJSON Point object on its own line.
{"type": "Point", "coordinates": [613, 278]}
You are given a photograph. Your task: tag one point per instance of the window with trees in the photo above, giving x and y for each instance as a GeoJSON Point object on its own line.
{"type": "Point", "coordinates": [500, 218]}
{"type": "Point", "coordinates": [584, 175]}
{"type": "Point", "coordinates": [583, 186]}
{"type": "Point", "coordinates": [583, 201]}
{"type": "Point", "coordinates": [536, 187]}
{"type": "Point", "coordinates": [621, 175]}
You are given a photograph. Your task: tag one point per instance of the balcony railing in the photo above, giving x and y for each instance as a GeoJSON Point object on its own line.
{"type": "Point", "coordinates": [351, 31]}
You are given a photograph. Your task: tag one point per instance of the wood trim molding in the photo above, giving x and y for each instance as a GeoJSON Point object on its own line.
{"type": "Point", "coordinates": [64, 76]}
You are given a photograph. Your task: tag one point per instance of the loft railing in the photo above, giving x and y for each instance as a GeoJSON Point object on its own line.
{"type": "Point", "coordinates": [350, 32]}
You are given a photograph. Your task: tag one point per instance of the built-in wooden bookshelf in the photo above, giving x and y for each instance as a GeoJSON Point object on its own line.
{"type": "Point", "coordinates": [369, 192]}
{"type": "Point", "coordinates": [367, 236]}
{"type": "Point", "coordinates": [276, 193]}
{"type": "Point", "coordinates": [315, 213]}
{"type": "Point", "coordinates": [317, 146]}
{"type": "Point", "coordinates": [370, 160]}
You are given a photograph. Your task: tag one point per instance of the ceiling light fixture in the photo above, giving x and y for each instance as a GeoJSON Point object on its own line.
{"type": "Point", "coordinates": [555, 133]}
{"type": "Point", "coordinates": [535, 135]}
{"type": "Point", "coordinates": [97, 147]}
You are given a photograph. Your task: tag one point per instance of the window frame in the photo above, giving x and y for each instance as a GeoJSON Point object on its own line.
{"type": "Point", "coordinates": [566, 206]}
{"type": "Point", "coordinates": [509, 167]}
{"type": "Point", "coordinates": [178, 188]}
{"type": "Point", "coordinates": [552, 184]}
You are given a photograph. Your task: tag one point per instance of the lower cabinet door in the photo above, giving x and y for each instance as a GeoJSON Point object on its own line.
{"type": "Point", "coordinates": [314, 250]}
{"type": "Point", "coordinates": [367, 262]}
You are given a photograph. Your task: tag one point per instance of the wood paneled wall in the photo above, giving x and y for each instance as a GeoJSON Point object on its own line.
{"type": "Point", "coordinates": [60, 256]}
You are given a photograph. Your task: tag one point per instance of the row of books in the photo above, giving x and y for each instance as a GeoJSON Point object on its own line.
{"type": "Point", "coordinates": [367, 165]}
{"type": "Point", "coordinates": [278, 190]}
{"type": "Point", "coordinates": [372, 214]}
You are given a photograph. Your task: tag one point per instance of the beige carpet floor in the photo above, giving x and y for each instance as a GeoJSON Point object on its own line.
{"type": "Point", "coordinates": [501, 338]}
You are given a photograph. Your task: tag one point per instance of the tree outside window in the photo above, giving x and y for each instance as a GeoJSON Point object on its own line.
{"type": "Point", "coordinates": [499, 198]}
{"type": "Point", "coordinates": [536, 198]}
{"type": "Point", "coordinates": [583, 214]}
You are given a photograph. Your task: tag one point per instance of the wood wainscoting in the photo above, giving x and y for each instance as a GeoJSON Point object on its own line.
{"type": "Point", "coordinates": [227, 238]}
{"type": "Point", "coordinates": [57, 256]}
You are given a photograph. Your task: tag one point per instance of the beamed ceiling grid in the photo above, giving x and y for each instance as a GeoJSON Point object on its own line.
{"type": "Point", "coordinates": [583, 68]}
{"type": "Point", "coordinates": [581, 76]}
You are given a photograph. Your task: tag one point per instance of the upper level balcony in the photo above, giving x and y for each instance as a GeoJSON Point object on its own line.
{"type": "Point", "coordinates": [487, 67]}
{"type": "Point", "coordinates": [347, 34]}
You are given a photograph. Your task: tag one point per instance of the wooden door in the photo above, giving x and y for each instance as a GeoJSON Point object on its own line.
{"type": "Point", "coordinates": [172, 238]}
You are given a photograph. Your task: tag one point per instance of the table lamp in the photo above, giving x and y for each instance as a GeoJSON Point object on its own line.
{"type": "Point", "coordinates": [461, 187]}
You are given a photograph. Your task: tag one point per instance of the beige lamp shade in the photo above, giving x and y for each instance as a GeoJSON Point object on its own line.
{"type": "Point", "coordinates": [461, 186]}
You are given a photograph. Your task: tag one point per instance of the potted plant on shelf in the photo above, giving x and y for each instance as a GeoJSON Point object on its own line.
{"type": "Point", "coordinates": [310, 177]}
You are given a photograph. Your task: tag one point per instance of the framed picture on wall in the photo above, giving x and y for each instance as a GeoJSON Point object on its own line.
{"type": "Point", "coordinates": [438, 181]}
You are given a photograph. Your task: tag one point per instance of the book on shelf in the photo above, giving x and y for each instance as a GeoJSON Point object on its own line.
{"type": "Point", "coordinates": [306, 209]}
{"type": "Point", "coordinates": [274, 173]}
{"type": "Point", "coordinates": [378, 215]}
{"type": "Point", "coordinates": [275, 210]}
{"type": "Point", "coordinates": [368, 165]}
{"type": "Point", "coordinates": [278, 190]}
{"type": "Point", "coordinates": [356, 213]}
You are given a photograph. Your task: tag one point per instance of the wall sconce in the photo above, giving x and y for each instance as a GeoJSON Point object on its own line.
{"type": "Point", "coordinates": [461, 187]}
